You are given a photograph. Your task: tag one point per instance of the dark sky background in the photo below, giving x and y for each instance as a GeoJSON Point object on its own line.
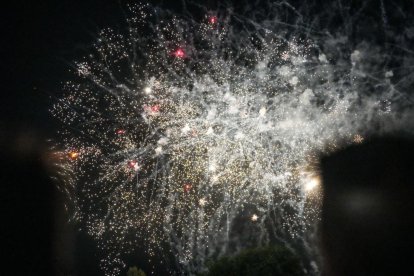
{"type": "Point", "coordinates": [39, 41]}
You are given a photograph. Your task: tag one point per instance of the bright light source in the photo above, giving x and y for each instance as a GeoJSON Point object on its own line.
{"type": "Point", "coordinates": [255, 217]}
{"type": "Point", "coordinates": [213, 19]}
{"type": "Point", "coordinates": [179, 53]}
{"type": "Point", "coordinates": [73, 155]}
{"type": "Point", "coordinates": [147, 90]}
{"type": "Point", "coordinates": [311, 184]}
{"type": "Point", "coordinates": [202, 202]}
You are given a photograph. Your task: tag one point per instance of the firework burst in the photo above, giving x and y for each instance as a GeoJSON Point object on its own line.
{"type": "Point", "coordinates": [197, 135]}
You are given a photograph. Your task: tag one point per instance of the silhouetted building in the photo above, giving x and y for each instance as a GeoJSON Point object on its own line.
{"type": "Point", "coordinates": [367, 216]}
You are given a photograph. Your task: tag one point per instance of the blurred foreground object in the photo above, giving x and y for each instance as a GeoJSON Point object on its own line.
{"type": "Point", "coordinates": [367, 213]}
{"type": "Point", "coordinates": [263, 261]}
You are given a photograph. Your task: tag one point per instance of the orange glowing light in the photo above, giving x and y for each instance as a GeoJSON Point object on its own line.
{"type": "Point", "coordinates": [73, 155]}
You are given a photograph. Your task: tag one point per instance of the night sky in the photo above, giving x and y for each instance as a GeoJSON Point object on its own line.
{"type": "Point", "coordinates": [39, 41]}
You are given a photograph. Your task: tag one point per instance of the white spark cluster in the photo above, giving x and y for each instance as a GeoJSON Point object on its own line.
{"type": "Point", "coordinates": [197, 136]}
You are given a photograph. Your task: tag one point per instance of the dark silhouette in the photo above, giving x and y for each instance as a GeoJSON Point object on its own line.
{"type": "Point", "coordinates": [264, 261]}
{"type": "Point", "coordinates": [367, 214]}
{"type": "Point", "coordinates": [26, 196]}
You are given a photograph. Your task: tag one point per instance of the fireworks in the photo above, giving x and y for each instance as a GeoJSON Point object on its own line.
{"type": "Point", "coordinates": [179, 53]}
{"type": "Point", "coordinates": [186, 126]}
{"type": "Point", "coordinates": [254, 217]}
{"type": "Point", "coordinates": [311, 184]}
{"type": "Point", "coordinates": [73, 155]}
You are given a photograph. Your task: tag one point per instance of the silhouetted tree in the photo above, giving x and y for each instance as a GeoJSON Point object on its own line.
{"type": "Point", "coordinates": [134, 271]}
{"type": "Point", "coordinates": [263, 261]}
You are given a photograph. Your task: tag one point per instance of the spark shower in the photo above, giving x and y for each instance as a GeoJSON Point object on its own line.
{"type": "Point", "coordinates": [196, 136]}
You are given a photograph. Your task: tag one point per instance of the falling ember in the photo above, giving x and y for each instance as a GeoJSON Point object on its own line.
{"type": "Point", "coordinates": [73, 155]}
{"type": "Point", "coordinates": [358, 139]}
{"type": "Point", "coordinates": [202, 202]}
{"type": "Point", "coordinates": [155, 108]}
{"type": "Point", "coordinates": [187, 187]}
{"type": "Point", "coordinates": [133, 165]}
{"type": "Point", "coordinates": [120, 131]}
{"type": "Point", "coordinates": [254, 217]}
{"type": "Point", "coordinates": [179, 53]}
{"type": "Point", "coordinates": [152, 109]}
{"type": "Point", "coordinates": [213, 20]}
